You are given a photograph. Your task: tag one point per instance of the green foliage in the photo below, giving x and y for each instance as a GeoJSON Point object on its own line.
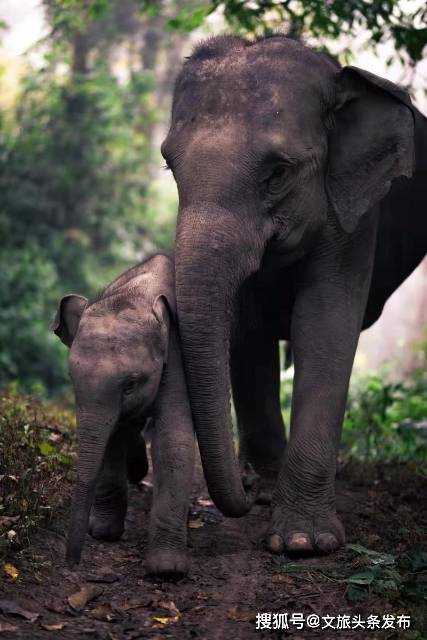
{"type": "Point", "coordinates": [401, 577]}
{"type": "Point", "coordinates": [80, 198]}
{"type": "Point", "coordinates": [384, 421]}
{"type": "Point", "coordinates": [75, 207]}
{"type": "Point", "coordinates": [396, 581]}
{"type": "Point", "coordinates": [402, 23]}
{"type": "Point", "coordinates": [190, 18]}
{"type": "Point", "coordinates": [36, 441]}
{"type": "Point", "coordinates": [28, 351]}
{"type": "Point", "coordinates": [387, 420]}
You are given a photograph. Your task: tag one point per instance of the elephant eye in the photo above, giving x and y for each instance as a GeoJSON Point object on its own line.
{"type": "Point", "coordinates": [130, 385]}
{"type": "Point", "coordinates": [274, 182]}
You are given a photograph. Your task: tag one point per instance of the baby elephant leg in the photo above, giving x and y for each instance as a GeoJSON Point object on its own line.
{"type": "Point", "coordinates": [172, 451]}
{"type": "Point", "coordinates": [108, 512]}
{"type": "Point", "coordinates": [173, 459]}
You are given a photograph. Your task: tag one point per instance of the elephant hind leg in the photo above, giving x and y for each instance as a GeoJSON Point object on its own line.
{"type": "Point", "coordinates": [137, 462]}
{"type": "Point", "coordinates": [255, 377]}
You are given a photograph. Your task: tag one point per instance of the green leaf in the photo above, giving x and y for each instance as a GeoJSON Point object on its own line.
{"type": "Point", "coordinates": [355, 594]}
{"type": "Point", "coordinates": [362, 577]}
{"type": "Point", "coordinates": [295, 568]}
{"type": "Point", "coordinates": [417, 557]}
{"type": "Point", "coordinates": [376, 557]}
{"type": "Point", "coordinates": [46, 449]}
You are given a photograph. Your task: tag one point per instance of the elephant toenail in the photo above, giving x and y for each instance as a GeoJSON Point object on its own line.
{"type": "Point", "coordinates": [326, 542]}
{"type": "Point", "coordinates": [299, 542]}
{"type": "Point", "coordinates": [275, 543]}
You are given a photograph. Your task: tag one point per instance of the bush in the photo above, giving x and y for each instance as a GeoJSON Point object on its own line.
{"type": "Point", "coordinates": [387, 421]}
{"type": "Point", "coordinates": [384, 421]}
{"type": "Point", "coordinates": [36, 441]}
{"type": "Point", "coordinates": [28, 350]}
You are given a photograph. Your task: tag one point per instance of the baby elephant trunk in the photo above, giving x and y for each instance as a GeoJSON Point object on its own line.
{"type": "Point", "coordinates": [93, 435]}
{"type": "Point", "coordinates": [83, 497]}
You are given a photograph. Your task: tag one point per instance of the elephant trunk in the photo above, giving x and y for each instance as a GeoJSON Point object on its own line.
{"type": "Point", "coordinates": [209, 271]}
{"type": "Point", "coordinates": [93, 434]}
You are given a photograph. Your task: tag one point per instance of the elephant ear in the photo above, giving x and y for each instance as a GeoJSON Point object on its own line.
{"type": "Point", "coordinates": [370, 144]}
{"type": "Point", "coordinates": [67, 317]}
{"type": "Point", "coordinates": [164, 308]}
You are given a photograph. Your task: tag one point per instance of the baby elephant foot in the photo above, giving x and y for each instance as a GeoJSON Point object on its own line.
{"type": "Point", "coordinates": [167, 562]}
{"type": "Point", "coordinates": [107, 517]}
{"type": "Point", "coordinates": [305, 534]}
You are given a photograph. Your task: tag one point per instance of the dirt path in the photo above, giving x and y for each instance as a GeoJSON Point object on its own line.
{"type": "Point", "coordinates": [232, 577]}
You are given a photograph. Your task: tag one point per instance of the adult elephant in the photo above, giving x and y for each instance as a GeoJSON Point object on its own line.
{"type": "Point", "coordinates": [302, 207]}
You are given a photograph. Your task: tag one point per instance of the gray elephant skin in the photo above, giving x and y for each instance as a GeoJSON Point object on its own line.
{"type": "Point", "coordinates": [302, 207]}
{"type": "Point", "coordinates": [125, 366]}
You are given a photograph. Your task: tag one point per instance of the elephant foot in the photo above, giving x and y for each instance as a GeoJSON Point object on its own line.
{"type": "Point", "coordinates": [302, 534]}
{"type": "Point", "coordinates": [167, 563]}
{"type": "Point", "coordinates": [107, 517]}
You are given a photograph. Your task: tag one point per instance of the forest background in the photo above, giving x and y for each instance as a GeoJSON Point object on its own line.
{"type": "Point", "coordinates": [85, 103]}
{"type": "Point", "coordinates": [83, 111]}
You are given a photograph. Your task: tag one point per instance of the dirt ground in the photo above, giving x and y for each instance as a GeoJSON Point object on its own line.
{"type": "Point", "coordinates": [232, 576]}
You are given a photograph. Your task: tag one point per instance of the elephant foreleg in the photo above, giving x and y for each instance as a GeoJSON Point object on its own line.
{"type": "Point", "coordinates": [326, 323]}
{"type": "Point", "coordinates": [172, 451]}
{"type": "Point", "coordinates": [108, 512]}
{"type": "Point", "coordinates": [255, 378]}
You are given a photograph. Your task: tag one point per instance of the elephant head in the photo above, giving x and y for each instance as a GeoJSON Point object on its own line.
{"type": "Point", "coordinates": [269, 142]}
{"type": "Point", "coordinates": [118, 349]}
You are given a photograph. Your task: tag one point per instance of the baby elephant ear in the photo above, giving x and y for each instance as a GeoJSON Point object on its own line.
{"type": "Point", "coordinates": [67, 317]}
{"type": "Point", "coordinates": [370, 144]}
{"type": "Point", "coordinates": [164, 309]}
{"type": "Point", "coordinates": [163, 303]}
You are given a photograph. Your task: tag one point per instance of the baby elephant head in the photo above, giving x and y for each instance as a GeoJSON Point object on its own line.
{"type": "Point", "coordinates": [118, 350]}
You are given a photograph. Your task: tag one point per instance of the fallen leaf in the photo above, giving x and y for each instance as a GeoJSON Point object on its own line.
{"type": "Point", "coordinates": [54, 627]}
{"type": "Point", "coordinates": [173, 610]}
{"type": "Point", "coordinates": [165, 620]}
{"type": "Point", "coordinates": [6, 521]}
{"type": "Point", "coordinates": [80, 599]}
{"type": "Point", "coordinates": [15, 609]}
{"type": "Point", "coordinates": [11, 570]}
{"type": "Point", "coordinates": [196, 524]}
{"type": "Point", "coordinates": [103, 612]}
{"type": "Point", "coordinates": [169, 606]}
{"type": "Point", "coordinates": [55, 605]}
{"type": "Point", "coordinates": [103, 576]}
{"type": "Point", "coordinates": [279, 578]}
{"type": "Point", "coordinates": [5, 626]}
{"type": "Point", "coordinates": [240, 616]}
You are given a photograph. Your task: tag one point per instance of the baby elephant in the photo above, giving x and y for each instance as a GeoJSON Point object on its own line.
{"type": "Point", "coordinates": [125, 366]}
